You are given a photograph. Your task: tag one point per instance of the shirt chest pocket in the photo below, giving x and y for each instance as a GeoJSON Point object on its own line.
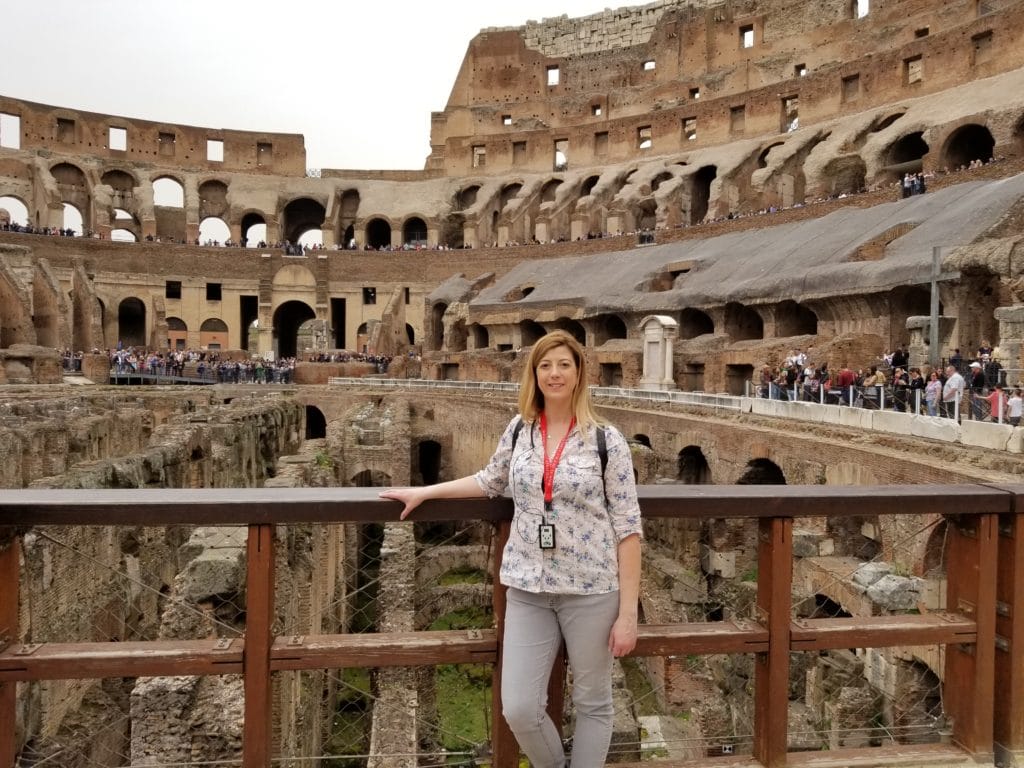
{"type": "Point", "coordinates": [583, 466]}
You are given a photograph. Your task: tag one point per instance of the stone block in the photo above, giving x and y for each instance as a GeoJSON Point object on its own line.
{"type": "Point", "coordinates": [689, 587]}
{"type": "Point", "coordinates": [855, 417]}
{"type": "Point", "coordinates": [869, 531]}
{"type": "Point", "coordinates": [892, 422]}
{"type": "Point", "coordinates": [1016, 442]}
{"type": "Point", "coordinates": [827, 547]}
{"type": "Point", "coordinates": [831, 414]}
{"type": "Point", "coordinates": [896, 593]}
{"type": "Point", "coordinates": [718, 563]}
{"type": "Point", "coordinates": [984, 434]}
{"type": "Point", "coordinates": [933, 594]}
{"type": "Point", "coordinates": [869, 573]}
{"type": "Point", "coordinates": [935, 428]}
{"type": "Point", "coordinates": [805, 543]}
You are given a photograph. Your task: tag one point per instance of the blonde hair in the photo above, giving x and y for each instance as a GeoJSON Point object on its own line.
{"type": "Point", "coordinates": [531, 399]}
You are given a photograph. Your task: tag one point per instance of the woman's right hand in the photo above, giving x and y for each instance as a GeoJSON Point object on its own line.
{"type": "Point", "coordinates": [410, 497]}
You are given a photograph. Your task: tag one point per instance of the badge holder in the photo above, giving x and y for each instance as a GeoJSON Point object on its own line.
{"type": "Point", "coordinates": [546, 530]}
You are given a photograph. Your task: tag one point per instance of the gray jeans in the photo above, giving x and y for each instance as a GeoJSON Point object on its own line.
{"type": "Point", "coordinates": [535, 625]}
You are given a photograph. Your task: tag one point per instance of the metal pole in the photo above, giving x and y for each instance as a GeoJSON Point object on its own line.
{"type": "Point", "coordinates": [933, 313]}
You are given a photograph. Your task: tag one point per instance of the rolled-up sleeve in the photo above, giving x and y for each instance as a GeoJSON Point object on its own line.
{"type": "Point", "coordinates": [620, 486]}
{"type": "Point", "coordinates": [493, 479]}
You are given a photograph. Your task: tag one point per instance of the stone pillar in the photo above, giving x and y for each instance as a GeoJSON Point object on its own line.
{"type": "Point", "coordinates": [918, 326]}
{"type": "Point", "coordinates": [543, 230]}
{"type": "Point", "coordinates": [469, 235]}
{"type": "Point", "coordinates": [658, 333]}
{"type": "Point", "coordinates": [1011, 338]}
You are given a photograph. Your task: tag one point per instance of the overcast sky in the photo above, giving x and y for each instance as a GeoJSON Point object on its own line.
{"type": "Point", "coordinates": [358, 78]}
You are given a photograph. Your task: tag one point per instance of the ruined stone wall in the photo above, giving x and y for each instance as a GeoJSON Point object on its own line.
{"type": "Point", "coordinates": [170, 147]}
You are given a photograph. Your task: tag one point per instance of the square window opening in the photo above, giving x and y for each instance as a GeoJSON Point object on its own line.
{"type": "Point", "coordinates": [643, 137]}
{"type": "Point", "coordinates": [214, 151]}
{"type": "Point", "coordinates": [65, 130]}
{"type": "Point", "coordinates": [922, 32]}
{"type": "Point", "coordinates": [913, 70]}
{"type": "Point", "coordinates": [479, 156]}
{"type": "Point", "coordinates": [518, 152]}
{"type": "Point", "coordinates": [264, 153]}
{"type": "Point", "coordinates": [650, 65]}
{"type": "Point", "coordinates": [10, 131]}
{"type": "Point", "coordinates": [506, 119]}
{"type": "Point", "coordinates": [554, 76]}
{"type": "Point", "coordinates": [561, 154]}
{"type": "Point", "coordinates": [213, 292]}
{"type": "Point", "coordinates": [851, 87]}
{"type": "Point", "coordinates": [172, 289]}
{"type": "Point", "coordinates": [369, 296]}
{"type": "Point", "coordinates": [747, 36]}
{"type": "Point", "coordinates": [601, 143]}
{"type": "Point", "coordinates": [595, 110]}
{"type": "Point", "coordinates": [860, 8]}
{"type": "Point", "coordinates": [695, 93]}
{"type": "Point", "coordinates": [407, 294]}
{"type": "Point", "coordinates": [689, 128]}
{"type": "Point", "coordinates": [737, 119]}
{"type": "Point", "coordinates": [166, 143]}
{"type": "Point", "coordinates": [981, 47]}
{"type": "Point", "coordinates": [117, 139]}
{"type": "Point", "coordinates": [800, 70]}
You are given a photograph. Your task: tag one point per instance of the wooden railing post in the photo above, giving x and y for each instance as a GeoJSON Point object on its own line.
{"type": "Point", "coordinates": [1009, 672]}
{"type": "Point", "coordinates": [257, 734]}
{"type": "Point", "coordinates": [968, 693]}
{"type": "Point", "coordinates": [504, 747]}
{"type": "Point", "coordinates": [10, 579]}
{"type": "Point", "coordinates": [771, 669]}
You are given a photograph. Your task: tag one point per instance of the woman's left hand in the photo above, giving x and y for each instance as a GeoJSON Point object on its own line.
{"type": "Point", "coordinates": [622, 638]}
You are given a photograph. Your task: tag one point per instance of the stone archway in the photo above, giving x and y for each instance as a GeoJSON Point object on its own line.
{"type": "Point", "coordinates": [131, 322]}
{"type": "Point", "coordinates": [288, 318]}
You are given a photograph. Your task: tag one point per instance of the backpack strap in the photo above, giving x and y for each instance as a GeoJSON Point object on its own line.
{"type": "Point", "coordinates": [515, 432]}
{"type": "Point", "coordinates": [602, 446]}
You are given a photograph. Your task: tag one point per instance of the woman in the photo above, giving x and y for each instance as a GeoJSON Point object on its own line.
{"type": "Point", "coordinates": [932, 393]}
{"type": "Point", "coordinates": [572, 561]}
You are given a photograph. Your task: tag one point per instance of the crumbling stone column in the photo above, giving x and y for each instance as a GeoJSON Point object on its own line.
{"type": "Point", "coordinates": [918, 326]}
{"type": "Point", "coordinates": [1011, 336]}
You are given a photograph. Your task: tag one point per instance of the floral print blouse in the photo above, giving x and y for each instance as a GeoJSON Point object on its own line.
{"type": "Point", "coordinates": [590, 517]}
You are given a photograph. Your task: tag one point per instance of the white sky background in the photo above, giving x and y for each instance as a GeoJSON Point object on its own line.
{"type": "Point", "coordinates": [358, 78]}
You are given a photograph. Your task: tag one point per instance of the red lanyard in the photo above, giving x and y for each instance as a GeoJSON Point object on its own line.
{"type": "Point", "coordinates": [551, 464]}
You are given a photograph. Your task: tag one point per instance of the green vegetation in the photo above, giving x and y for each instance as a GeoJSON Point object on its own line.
{"type": "Point", "coordinates": [323, 459]}
{"type": "Point", "coordinates": [644, 700]}
{"type": "Point", "coordinates": [465, 575]}
{"type": "Point", "coordinates": [463, 690]}
{"type": "Point", "coordinates": [750, 575]}
{"type": "Point", "coordinates": [350, 732]}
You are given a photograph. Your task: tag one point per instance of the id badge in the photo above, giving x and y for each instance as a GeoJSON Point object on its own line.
{"type": "Point", "coordinates": [546, 535]}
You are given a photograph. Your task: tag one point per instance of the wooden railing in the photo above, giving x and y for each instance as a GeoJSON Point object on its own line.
{"type": "Point", "coordinates": [983, 628]}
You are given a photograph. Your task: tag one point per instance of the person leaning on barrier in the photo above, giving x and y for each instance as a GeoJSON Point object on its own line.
{"type": "Point", "coordinates": [572, 561]}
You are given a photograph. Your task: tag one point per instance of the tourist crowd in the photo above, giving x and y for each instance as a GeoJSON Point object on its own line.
{"type": "Point", "coordinates": [971, 389]}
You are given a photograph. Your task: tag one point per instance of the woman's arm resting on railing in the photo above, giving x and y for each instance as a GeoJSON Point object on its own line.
{"type": "Point", "coordinates": [622, 639]}
{"type": "Point", "coordinates": [463, 488]}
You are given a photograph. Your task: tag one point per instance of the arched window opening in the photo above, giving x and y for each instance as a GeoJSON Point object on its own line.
{"type": "Point", "coordinates": [287, 320]}
{"type": "Point", "coordinates": [743, 323]}
{"type": "Point", "coordinates": [254, 230]}
{"type": "Point", "coordinates": [660, 179]}
{"type": "Point", "coordinates": [530, 331]}
{"type": "Point", "coordinates": [214, 231]}
{"type": "Point", "coordinates": [610, 327]}
{"type": "Point", "coordinates": [573, 328]}
{"type": "Point", "coordinates": [316, 423]}
{"type": "Point", "coordinates": [410, 334]}
{"type": "Point", "coordinates": [437, 315]}
{"type": "Point", "coordinates": [968, 144]}
{"type": "Point", "coordinates": [131, 322]}
{"type": "Point", "coordinates": [693, 466]}
{"type": "Point", "coordinates": [177, 333]}
{"type": "Point", "coordinates": [1018, 134]}
{"type": "Point", "coordinates": [120, 181]}
{"type": "Point", "coordinates": [508, 193]}
{"type": "Point", "coordinates": [213, 198]}
{"type": "Point", "coordinates": [700, 193]}
{"type": "Point", "coordinates": [646, 215]}
{"type": "Point", "coordinates": [370, 478]}
{"type": "Point", "coordinates": [933, 564]}
{"type": "Point", "coordinates": [694, 323]}
{"type": "Point", "coordinates": [762, 159]}
{"type": "Point", "coordinates": [846, 175]}
{"type": "Point", "coordinates": [414, 232]}
{"type": "Point", "coordinates": [792, 319]}
{"type": "Point", "coordinates": [642, 439]}
{"type": "Point", "coordinates": [300, 216]}
{"type": "Point", "coordinates": [907, 152]}
{"type": "Point", "coordinates": [885, 122]}
{"type": "Point", "coordinates": [213, 334]}
{"type": "Point", "coordinates": [13, 211]}
{"type": "Point", "coordinates": [123, 236]}
{"type": "Point", "coordinates": [120, 214]}
{"type": "Point", "coordinates": [73, 219]}
{"type": "Point", "coordinates": [588, 185]}
{"type": "Point", "coordinates": [548, 191]}
{"type": "Point", "coordinates": [168, 192]}
{"type": "Point", "coordinates": [762, 472]}
{"type": "Point", "coordinates": [68, 175]}
{"type": "Point", "coordinates": [466, 198]}
{"type": "Point", "coordinates": [378, 234]}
